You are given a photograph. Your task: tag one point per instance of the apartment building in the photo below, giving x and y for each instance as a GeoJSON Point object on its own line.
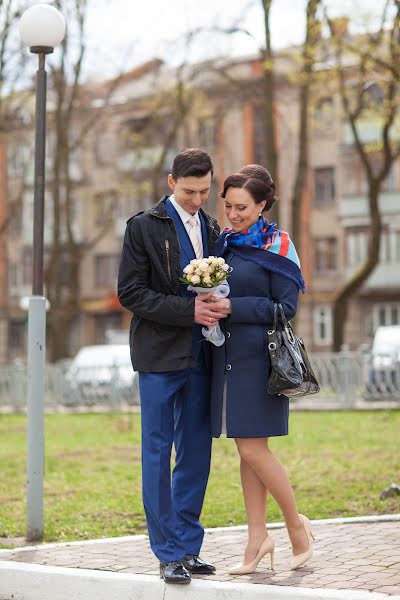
{"type": "Point", "coordinates": [113, 173]}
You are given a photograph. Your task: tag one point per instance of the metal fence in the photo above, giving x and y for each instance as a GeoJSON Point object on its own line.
{"type": "Point", "coordinates": [345, 379]}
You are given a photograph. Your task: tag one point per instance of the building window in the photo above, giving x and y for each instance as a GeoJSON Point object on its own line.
{"type": "Point", "coordinates": [16, 336]}
{"type": "Point", "coordinates": [357, 248]}
{"type": "Point", "coordinates": [106, 270]}
{"type": "Point", "coordinates": [19, 157]}
{"type": "Point", "coordinates": [324, 186]}
{"type": "Point", "coordinates": [389, 183]}
{"type": "Point", "coordinates": [375, 96]}
{"type": "Point", "coordinates": [387, 313]}
{"type": "Point", "coordinates": [324, 115]}
{"type": "Point", "coordinates": [325, 255]}
{"type": "Point", "coordinates": [323, 325]}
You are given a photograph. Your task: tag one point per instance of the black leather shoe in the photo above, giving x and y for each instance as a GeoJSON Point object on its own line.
{"type": "Point", "coordinates": [195, 565]}
{"type": "Point", "coordinates": [174, 572]}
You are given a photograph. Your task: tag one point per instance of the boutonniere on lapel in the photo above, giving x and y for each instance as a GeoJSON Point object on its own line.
{"type": "Point", "coordinates": [205, 276]}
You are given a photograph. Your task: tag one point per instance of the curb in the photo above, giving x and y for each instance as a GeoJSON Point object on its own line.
{"type": "Point", "coordinates": [21, 581]}
{"type": "Point", "coordinates": [132, 538]}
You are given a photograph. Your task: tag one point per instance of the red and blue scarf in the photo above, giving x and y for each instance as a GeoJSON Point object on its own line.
{"type": "Point", "coordinates": [266, 245]}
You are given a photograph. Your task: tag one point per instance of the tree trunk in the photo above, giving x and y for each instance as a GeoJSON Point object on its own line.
{"type": "Point", "coordinates": [270, 134]}
{"type": "Point", "coordinates": [344, 295]}
{"type": "Point", "coordinates": [300, 186]}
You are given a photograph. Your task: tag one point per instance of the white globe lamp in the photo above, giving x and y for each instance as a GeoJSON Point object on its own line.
{"type": "Point", "coordinates": [42, 28]}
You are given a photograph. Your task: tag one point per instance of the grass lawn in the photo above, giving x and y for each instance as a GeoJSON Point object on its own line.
{"type": "Point", "coordinates": [338, 463]}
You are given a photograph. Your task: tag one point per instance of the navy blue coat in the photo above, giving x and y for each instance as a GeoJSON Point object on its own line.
{"type": "Point", "coordinates": [243, 361]}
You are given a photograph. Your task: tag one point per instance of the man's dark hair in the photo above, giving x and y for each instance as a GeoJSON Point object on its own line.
{"type": "Point", "coordinates": [259, 172]}
{"type": "Point", "coordinates": [191, 162]}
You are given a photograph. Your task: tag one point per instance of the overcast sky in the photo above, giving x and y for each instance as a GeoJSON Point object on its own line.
{"type": "Point", "coordinates": [124, 33]}
{"type": "Point", "coordinates": [128, 32]}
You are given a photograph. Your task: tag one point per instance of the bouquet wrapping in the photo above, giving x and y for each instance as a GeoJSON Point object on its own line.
{"type": "Point", "coordinates": [205, 276]}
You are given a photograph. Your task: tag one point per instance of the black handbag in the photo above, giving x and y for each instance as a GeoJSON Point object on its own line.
{"type": "Point", "coordinates": [291, 371]}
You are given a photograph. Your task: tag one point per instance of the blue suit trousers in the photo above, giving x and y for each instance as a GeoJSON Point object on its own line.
{"type": "Point", "coordinates": [175, 409]}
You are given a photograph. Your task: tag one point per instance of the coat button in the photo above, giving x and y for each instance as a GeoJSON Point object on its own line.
{"type": "Point", "coordinates": [228, 367]}
{"type": "Point", "coordinates": [228, 334]}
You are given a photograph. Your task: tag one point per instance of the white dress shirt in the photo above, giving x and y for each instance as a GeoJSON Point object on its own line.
{"type": "Point", "coordinates": [185, 216]}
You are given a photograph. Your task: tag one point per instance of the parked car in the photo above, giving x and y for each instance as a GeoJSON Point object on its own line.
{"type": "Point", "coordinates": [384, 375]}
{"type": "Point", "coordinates": [101, 374]}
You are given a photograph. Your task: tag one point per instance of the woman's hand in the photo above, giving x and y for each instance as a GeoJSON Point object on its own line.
{"type": "Point", "coordinates": [222, 305]}
{"type": "Point", "coordinates": [206, 312]}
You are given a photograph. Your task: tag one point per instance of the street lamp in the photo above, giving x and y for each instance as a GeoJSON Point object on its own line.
{"type": "Point", "coordinates": [42, 27]}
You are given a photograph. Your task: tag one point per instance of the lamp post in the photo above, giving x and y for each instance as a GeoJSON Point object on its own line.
{"type": "Point", "coordinates": [42, 27]}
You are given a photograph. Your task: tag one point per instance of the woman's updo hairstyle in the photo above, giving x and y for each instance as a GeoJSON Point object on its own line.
{"type": "Point", "coordinates": [261, 173]}
{"type": "Point", "coordinates": [258, 189]}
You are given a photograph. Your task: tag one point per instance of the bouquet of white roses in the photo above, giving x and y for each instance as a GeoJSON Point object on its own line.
{"type": "Point", "coordinates": [205, 272]}
{"type": "Point", "coordinates": [204, 276]}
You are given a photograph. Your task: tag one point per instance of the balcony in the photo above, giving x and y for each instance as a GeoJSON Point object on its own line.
{"type": "Point", "coordinates": [385, 278]}
{"type": "Point", "coordinates": [353, 209]}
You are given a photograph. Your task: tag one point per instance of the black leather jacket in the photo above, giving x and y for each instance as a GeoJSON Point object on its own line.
{"type": "Point", "coordinates": [148, 285]}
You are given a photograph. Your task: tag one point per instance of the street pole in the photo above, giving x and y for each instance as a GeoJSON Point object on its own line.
{"type": "Point", "coordinates": [42, 27]}
{"type": "Point", "coordinates": [37, 325]}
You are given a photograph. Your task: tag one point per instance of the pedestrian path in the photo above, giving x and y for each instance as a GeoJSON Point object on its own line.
{"type": "Point", "coordinates": [352, 556]}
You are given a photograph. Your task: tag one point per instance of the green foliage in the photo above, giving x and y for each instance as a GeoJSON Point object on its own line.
{"type": "Point", "coordinates": [338, 463]}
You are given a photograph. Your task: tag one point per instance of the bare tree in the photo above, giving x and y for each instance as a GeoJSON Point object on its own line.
{"type": "Point", "coordinates": [70, 124]}
{"type": "Point", "coordinates": [375, 60]}
{"type": "Point", "coordinates": [12, 64]}
{"type": "Point", "coordinates": [310, 46]}
{"type": "Point", "coordinates": [271, 151]}
{"type": "Point", "coordinates": [268, 97]}
{"type": "Point", "coordinates": [12, 58]}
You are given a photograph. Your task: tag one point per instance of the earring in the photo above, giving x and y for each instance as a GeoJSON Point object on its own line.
{"type": "Point", "coordinates": [260, 214]}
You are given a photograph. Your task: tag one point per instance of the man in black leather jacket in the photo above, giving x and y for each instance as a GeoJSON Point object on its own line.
{"type": "Point", "coordinates": [168, 351]}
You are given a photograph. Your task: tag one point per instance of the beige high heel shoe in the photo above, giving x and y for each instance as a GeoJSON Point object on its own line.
{"type": "Point", "coordinates": [300, 559]}
{"type": "Point", "coordinates": [267, 547]}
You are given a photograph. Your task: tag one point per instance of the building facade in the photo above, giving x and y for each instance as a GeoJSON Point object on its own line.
{"type": "Point", "coordinates": [120, 167]}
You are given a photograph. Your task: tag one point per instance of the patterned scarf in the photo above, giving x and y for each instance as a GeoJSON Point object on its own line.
{"type": "Point", "coordinates": [266, 245]}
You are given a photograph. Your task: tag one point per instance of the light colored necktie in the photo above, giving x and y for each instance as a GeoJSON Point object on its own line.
{"type": "Point", "coordinates": [194, 237]}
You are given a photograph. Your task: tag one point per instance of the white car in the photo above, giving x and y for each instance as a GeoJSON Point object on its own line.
{"type": "Point", "coordinates": [384, 376]}
{"type": "Point", "coordinates": [101, 374]}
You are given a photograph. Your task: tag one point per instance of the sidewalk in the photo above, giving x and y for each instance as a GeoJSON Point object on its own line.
{"type": "Point", "coordinates": [350, 555]}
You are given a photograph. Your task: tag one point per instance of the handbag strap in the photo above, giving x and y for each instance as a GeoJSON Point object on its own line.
{"type": "Point", "coordinates": [286, 324]}
{"type": "Point", "coordinates": [275, 324]}
{"type": "Point", "coordinates": [282, 315]}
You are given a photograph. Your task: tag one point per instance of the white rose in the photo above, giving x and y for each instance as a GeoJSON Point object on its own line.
{"type": "Point", "coordinates": [188, 269]}
{"type": "Point", "coordinates": [220, 260]}
{"type": "Point", "coordinates": [220, 275]}
{"type": "Point", "coordinates": [195, 279]}
{"type": "Point", "coordinates": [195, 262]}
{"type": "Point", "coordinates": [207, 280]}
{"type": "Point", "coordinates": [198, 271]}
{"type": "Point", "coordinates": [225, 267]}
{"type": "Point", "coordinates": [189, 277]}
{"type": "Point", "coordinates": [210, 260]}
{"type": "Point", "coordinates": [203, 266]}
{"type": "Point", "coordinates": [215, 261]}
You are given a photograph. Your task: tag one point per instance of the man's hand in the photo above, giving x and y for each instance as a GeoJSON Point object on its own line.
{"type": "Point", "coordinates": [206, 312]}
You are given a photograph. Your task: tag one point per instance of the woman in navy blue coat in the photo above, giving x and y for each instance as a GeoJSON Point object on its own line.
{"type": "Point", "coordinates": [265, 269]}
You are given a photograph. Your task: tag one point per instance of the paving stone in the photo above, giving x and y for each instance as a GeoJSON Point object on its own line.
{"type": "Point", "coordinates": [363, 556]}
{"type": "Point", "coordinates": [388, 589]}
